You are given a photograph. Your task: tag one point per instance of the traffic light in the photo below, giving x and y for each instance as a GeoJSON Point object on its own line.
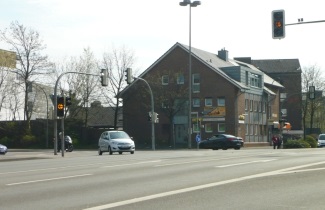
{"type": "Point", "coordinates": [60, 106]}
{"type": "Point", "coordinates": [104, 77]}
{"type": "Point", "coordinates": [155, 117]}
{"type": "Point", "coordinates": [311, 92]}
{"type": "Point", "coordinates": [278, 24]}
{"type": "Point", "coordinates": [68, 101]}
{"type": "Point", "coordinates": [149, 116]}
{"type": "Point", "coordinates": [128, 75]}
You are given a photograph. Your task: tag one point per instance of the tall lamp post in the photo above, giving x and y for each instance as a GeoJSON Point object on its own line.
{"type": "Point", "coordinates": [190, 4]}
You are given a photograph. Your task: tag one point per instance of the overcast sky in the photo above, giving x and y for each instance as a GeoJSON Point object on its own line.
{"type": "Point", "coordinates": [151, 27]}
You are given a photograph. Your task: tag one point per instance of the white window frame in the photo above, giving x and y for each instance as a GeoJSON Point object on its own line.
{"type": "Point", "coordinates": [208, 102]}
{"type": "Point", "coordinates": [221, 101]}
{"type": "Point", "coordinates": [208, 128]}
{"type": "Point", "coordinates": [220, 126]}
{"type": "Point", "coordinates": [194, 101]}
{"type": "Point", "coordinates": [163, 80]}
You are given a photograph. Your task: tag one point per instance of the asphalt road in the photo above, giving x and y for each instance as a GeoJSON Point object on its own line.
{"type": "Point", "coordinates": [182, 179]}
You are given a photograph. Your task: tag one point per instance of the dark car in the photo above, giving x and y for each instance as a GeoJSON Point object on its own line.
{"type": "Point", "coordinates": [222, 141]}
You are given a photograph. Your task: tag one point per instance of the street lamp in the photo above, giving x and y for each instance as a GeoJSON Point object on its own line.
{"type": "Point", "coordinates": [191, 4]}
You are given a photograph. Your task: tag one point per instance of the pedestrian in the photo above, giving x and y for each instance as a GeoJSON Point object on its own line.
{"type": "Point", "coordinates": [279, 142]}
{"type": "Point", "coordinates": [275, 141]}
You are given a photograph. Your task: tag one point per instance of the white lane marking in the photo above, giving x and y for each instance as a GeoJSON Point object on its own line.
{"type": "Point", "coordinates": [244, 163]}
{"type": "Point", "coordinates": [46, 169]}
{"type": "Point", "coordinates": [56, 168]}
{"type": "Point", "coordinates": [214, 184]}
{"type": "Point", "coordinates": [130, 164]}
{"type": "Point", "coordinates": [206, 160]}
{"type": "Point", "coordinates": [45, 180]}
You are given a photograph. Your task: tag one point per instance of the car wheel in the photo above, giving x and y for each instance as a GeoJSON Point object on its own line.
{"type": "Point", "coordinates": [225, 148]}
{"type": "Point", "coordinates": [237, 148]}
{"type": "Point", "coordinates": [132, 152]}
{"type": "Point", "coordinates": [110, 150]}
{"type": "Point", "coordinates": [99, 151]}
{"type": "Point", "coordinates": [120, 153]}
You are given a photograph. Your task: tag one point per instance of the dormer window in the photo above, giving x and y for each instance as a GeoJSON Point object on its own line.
{"type": "Point", "coordinates": [255, 80]}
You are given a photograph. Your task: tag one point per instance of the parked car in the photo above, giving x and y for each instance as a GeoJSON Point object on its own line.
{"type": "Point", "coordinates": [115, 141]}
{"type": "Point", "coordinates": [321, 140]}
{"type": "Point", "coordinates": [222, 141]}
{"type": "Point", "coordinates": [3, 149]}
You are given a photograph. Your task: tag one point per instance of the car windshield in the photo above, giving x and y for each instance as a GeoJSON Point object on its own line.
{"type": "Point", "coordinates": [321, 137]}
{"type": "Point", "coordinates": [118, 135]}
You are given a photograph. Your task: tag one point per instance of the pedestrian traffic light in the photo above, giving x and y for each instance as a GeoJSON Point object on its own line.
{"type": "Point", "coordinates": [60, 106]}
{"type": "Point", "coordinates": [128, 75]}
{"type": "Point", "coordinates": [104, 77]}
{"type": "Point", "coordinates": [278, 24]}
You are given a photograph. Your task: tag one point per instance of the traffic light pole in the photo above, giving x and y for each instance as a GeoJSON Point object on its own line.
{"type": "Point", "coordinates": [56, 111]}
{"type": "Point", "coordinates": [152, 114]}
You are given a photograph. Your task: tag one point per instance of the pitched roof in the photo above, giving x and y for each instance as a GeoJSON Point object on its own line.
{"type": "Point", "coordinates": [278, 65]}
{"type": "Point", "coordinates": [213, 62]}
{"type": "Point", "coordinates": [101, 117]}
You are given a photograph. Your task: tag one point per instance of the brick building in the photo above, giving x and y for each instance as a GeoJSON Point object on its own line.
{"type": "Point", "coordinates": [228, 96]}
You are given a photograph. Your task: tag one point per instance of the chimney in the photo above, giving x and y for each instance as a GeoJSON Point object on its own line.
{"type": "Point", "coordinates": [223, 54]}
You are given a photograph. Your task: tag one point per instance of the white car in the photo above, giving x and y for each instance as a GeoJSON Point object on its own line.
{"type": "Point", "coordinates": [3, 149]}
{"type": "Point", "coordinates": [115, 141]}
{"type": "Point", "coordinates": [321, 140]}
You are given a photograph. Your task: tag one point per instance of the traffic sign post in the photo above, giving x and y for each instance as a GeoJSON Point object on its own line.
{"type": "Point", "coordinates": [198, 139]}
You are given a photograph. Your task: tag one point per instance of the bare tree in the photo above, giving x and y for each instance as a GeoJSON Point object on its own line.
{"type": "Point", "coordinates": [116, 62]}
{"type": "Point", "coordinates": [312, 76]}
{"type": "Point", "coordinates": [28, 45]}
{"type": "Point", "coordinates": [83, 89]}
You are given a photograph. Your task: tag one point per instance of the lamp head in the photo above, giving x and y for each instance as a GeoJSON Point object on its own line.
{"type": "Point", "coordinates": [195, 3]}
{"type": "Point", "coordinates": [185, 2]}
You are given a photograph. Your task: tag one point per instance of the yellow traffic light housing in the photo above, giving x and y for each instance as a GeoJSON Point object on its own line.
{"type": "Point", "coordinates": [60, 106]}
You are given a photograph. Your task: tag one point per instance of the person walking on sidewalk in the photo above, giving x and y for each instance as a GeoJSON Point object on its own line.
{"type": "Point", "coordinates": [275, 141]}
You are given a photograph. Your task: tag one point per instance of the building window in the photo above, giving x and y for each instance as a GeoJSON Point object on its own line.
{"type": "Point", "coordinates": [246, 104]}
{"type": "Point", "coordinates": [164, 104]}
{"type": "Point", "coordinates": [221, 127]}
{"type": "Point", "coordinates": [247, 129]}
{"type": "Point", "coordinates": [208, 101]}
{"type": "Point", "coordinates": [208, 128]}
{"type": "Point", "coordinates": [251, 105]}
{"type": "Point", "coordinates": [283, 96]}
{"type": "Point", "coordinates": [255, 80]}
{"type": "Point", "coordinates": [165, 80]}
{"type": "Point", "coordinates": [260, 106]}
{"type": "Point", "coordinates": [196, 102]}
{"type": "Point", "coordinates": [196, 83]}
{"type": "Point", "coordinates": [221, 101]}
{"type": "Point", "coordinates": [255, 106]}
{"type": "Point", "coordinates": [180, 79]}
{"type": "Point", "coordinates": [251, 130]}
